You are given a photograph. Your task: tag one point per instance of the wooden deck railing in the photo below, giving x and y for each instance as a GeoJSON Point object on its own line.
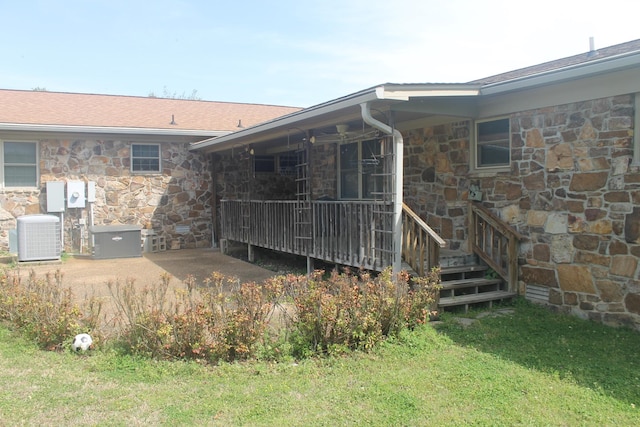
{"type": "Point", "coordinates": [495, 242]}
{"type": "Point", "coordinates": [354, 233]}
{"type": "Point", "coordinates": [420, 244]}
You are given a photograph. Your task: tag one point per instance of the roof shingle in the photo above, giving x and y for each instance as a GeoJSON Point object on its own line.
{"type": "Point", "coordinates": [619, 49]}
{"type": "Point", "coordinates": [75, 109]}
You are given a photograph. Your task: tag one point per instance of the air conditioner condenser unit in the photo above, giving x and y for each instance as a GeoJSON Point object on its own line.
{"type": "Point", "coordinates": [38, 237]}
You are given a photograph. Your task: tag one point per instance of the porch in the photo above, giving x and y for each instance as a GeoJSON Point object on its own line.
{"type": "Point", "coordinates": [356, 233]}
{"type": "Point", "coordinates": [360, 234]}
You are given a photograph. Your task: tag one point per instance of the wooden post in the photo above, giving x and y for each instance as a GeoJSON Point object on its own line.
{"type": "Point", "coordinates": [513, 265]}
{"type": "Point", "coordinates": [310, 265]}
{"type": "Point", "coordinates": [471, 226]}
{"type": "Point", "coordinates": [250, 252]}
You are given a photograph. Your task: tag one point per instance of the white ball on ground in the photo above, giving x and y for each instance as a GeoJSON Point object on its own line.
{"type": "Point", "coordinates": [81, 342]}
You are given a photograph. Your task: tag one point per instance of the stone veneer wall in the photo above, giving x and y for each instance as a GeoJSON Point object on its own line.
{"type": "Point", "coordinates": [235, 181]}
{"type": "Point", "coordinates": [570, 190]}
{"type": "Point", "coordinates": [436, 182]}
{"type": "Point", "coordinates": [324, 173]}
{"type": "Point", "coordinates": [175, 202]}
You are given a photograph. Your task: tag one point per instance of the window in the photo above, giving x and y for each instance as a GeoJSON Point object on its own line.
{"type": "Point", "coordinates": [493, 142]}
{"type": "Point", "coordinates": [145, 158]}
{"type": "Point", "coordinates": [359, 170]}
{"type": "Point", "coordinates": [20, 164]}
{"type": "Point", "coordinates": [284, 164]}
{"type": "Point", "coordinates": [264, 164]}
{"type": "Point", "coordinates": [287, 163]}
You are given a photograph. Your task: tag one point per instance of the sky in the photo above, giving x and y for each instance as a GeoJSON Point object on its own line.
{"type": "Point", "coordinates": [295, 53]}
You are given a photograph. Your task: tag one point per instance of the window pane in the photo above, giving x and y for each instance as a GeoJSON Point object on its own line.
{"type": "Point", "coordinates": [20, 176]}
{"type": "Point", "coordinates": [146, 165]}
{"type": "Point", "coordinates": [264, 164]}
{"type": "Point", "coordinates": [17, 152]}
{"type": "Point", "coordinates": [287, 163]}
{"type": "Point", "coordinates": [349, 184]}
{"type": "Point", "coordinates": [145, 150]}
{"type": "Point", "coordinates": [493, 154]}
{"type": "Point", "coordinates": [371, 170]}
{"type": "Point", "coordinates": [493, 143]}
{"type": "Point", "coordinates": [349, 171]}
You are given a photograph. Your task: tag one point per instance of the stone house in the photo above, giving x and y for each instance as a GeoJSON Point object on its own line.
{"type": "Point", "coordinates": [134, 150]}
{"type": "Point", "coordinates": [550, 151]}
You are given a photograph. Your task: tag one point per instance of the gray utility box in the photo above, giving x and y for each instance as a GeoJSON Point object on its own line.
{"type": "Point", "coordinates": [116, 241]}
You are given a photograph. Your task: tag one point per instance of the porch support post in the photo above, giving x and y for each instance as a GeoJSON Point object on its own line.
{"type": "Point", "coordinates": [398, 151]}
{"type": "Point", "coordinates": [310, 265]}
{"type": "Point", "coordinates": [251, 256]}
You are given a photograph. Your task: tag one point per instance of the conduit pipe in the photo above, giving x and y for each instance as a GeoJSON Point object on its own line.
{"type": "Point", "coordinates": [398, 148]}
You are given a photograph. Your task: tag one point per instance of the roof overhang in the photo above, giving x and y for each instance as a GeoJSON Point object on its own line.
{"type": "Point", "coordinates": [383, 99]}
{"type": "Point", "coordinates": [182, 134]}
{"type": "Point", "coordinates": [569, 73]}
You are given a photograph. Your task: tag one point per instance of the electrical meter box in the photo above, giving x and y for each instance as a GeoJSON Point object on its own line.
{"type": "Point", "coordinates": [75, 194]}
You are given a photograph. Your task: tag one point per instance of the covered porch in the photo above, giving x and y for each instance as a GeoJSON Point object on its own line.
{"type": "Point", "coordinates": [326, 183]}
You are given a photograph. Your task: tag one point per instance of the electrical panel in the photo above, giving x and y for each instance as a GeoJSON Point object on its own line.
{"type": "Point", "coordinates": [55, 196]}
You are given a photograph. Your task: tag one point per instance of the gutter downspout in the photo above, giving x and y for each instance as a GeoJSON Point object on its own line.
{"type": "Point", "coordinates": [398, 147]}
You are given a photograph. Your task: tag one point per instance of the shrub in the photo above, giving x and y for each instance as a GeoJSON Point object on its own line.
{"type": "Point", "coordinates": [221, 320]}
{"type": "Point", "coordinates": [43, 310]}
{"type": "Point", "coordinates": [354, 312]}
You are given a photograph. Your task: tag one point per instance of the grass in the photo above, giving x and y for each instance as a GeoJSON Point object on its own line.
{"type": "Point", "coordinates": [525, 367]}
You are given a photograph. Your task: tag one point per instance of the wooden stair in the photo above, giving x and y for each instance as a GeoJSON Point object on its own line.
{"type": "Point", "coordinates": [465, 283]}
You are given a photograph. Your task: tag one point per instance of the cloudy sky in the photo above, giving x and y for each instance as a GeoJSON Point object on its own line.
{"type": "Point", "coordinates": [290, 52]}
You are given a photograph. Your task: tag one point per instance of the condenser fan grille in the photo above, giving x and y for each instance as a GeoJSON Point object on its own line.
{"type": "Point", "coordinates": [38, 237]}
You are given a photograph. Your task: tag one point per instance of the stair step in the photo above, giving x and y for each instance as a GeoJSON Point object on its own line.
{"type": "Point", "coordinates": [468, 283]}
{"type": "Point", "coordinates": [462, 269]}
{"type": "Point", "coordinates": [475, 298]}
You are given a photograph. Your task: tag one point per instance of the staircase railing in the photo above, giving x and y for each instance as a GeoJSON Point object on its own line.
{"type": "Point", "coordinates": [420, 244]}
{"type": "Point", "coordinates": [495, 242]}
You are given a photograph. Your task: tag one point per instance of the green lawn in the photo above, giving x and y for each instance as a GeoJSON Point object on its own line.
{"type": "Point", "coordinates": [528, 367]}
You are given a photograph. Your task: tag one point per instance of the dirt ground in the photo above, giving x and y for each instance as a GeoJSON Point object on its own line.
{"type": "Point", "coordinates": [88, 277]}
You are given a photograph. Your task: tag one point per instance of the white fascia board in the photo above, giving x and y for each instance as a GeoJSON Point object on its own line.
{"type": "Point", "coordinates": [19, 127]}
{"type": "Point", "coordinates": [428, 91]}
{"type": "Point", "coordinates": [572, 72]}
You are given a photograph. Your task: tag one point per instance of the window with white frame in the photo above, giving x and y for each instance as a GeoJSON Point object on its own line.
{"type": "Point", "coordinates": [20, 164]}
{"type": "Point", "coordinates": [493, 143]}
{"type": "Point", "coordinates": [145, 158]}
{"type": "Point", "coordinates": [360, 170]}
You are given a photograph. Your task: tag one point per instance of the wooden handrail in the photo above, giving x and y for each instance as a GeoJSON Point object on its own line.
{"type": "Point", "coordinates": [420, 244]}
{"type": "Point", "coordinates": [495, 242]}
{"type": "Point", "coordinates": [354, 233]}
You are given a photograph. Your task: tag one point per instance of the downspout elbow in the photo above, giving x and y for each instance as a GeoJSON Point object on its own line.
{"type": "Point", "coordinates": [368, 119]}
